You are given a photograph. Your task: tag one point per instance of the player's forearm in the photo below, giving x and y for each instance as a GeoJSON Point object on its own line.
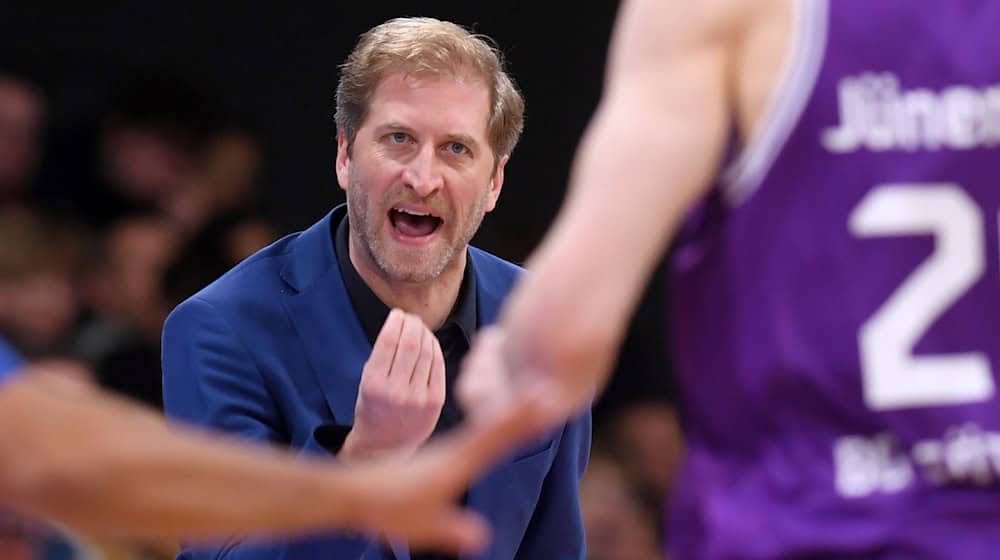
{"type": "Point", "coordinates": [191, 490]}
{"type": "Point", "coordinates": [105, 466]}
{"type": "Point", "coordinates": [631, 187]}
{"type": "Point", "coordinates": [647, 157]}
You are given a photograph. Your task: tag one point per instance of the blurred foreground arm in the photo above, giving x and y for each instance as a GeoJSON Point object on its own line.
{"type": "Point", "coordinates": [102, 465]}
{"type": "Point", "coordinates": [648, 155]}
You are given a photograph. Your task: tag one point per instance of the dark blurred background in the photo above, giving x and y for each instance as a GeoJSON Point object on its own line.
{"type": "Point", "coordinates": [274, 71]}
{"type": "Point", "coordinates": [146, 147]}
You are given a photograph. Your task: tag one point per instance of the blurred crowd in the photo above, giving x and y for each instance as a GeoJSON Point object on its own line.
{"type": "Point", "coordinates": [106, 225]}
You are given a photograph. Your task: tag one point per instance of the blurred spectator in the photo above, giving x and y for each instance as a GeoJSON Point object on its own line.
{"type": "Point", "coordinates": [164, 146]}
{"type": "Point", "coordinates": [124, 280]}
{"type": "Point", "coordinates": [152, 139]}
{"type": "Point", "coordinates": [200, 261]}
{"type": "Point", "coordinates": [22, 117]}
{"type": "Point", "coordinates": [617, 523]}
{"type": "Point", "coordinates": [39, 260]}
{"type": "Point", "coordinates": [161, 146]}
{"type": "Point", "coordinates": [175, 186]}
{"type": "Point", "coordinates": [221, 184]}
{"type": "Point", "coordinates": [647, 438]}
{"type": "Point", "coordinates": [642, 441]}
{"type": "Point", "coordinates": [124, 291]}
{"type": "Point", "coordinates": [216, 248]}
{"type": "Point", "coordinates": [635, 412]}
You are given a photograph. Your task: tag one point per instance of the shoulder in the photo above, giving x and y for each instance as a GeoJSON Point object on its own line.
{"type": "Point", "coordinates": [492, 264]}
{"type": "Point", "coordinates": [493, 273]}
{"type": "Point", "coordinates": [259, 274]}
{"type": "Point", "coordinates": [710, 15]}
{"type": "Point", "coordinates": [254, 283]}
{"type": "Point", "coordinates": [651, 26]}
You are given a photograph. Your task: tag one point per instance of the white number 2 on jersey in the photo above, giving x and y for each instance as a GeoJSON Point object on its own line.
{"type": "Point", "coordinates": [892, 377]}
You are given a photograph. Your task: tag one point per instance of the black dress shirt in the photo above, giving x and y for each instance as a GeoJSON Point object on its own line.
{"type": "Point", "coordinates": [454, 336]}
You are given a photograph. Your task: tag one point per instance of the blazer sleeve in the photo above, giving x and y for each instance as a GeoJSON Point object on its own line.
{"type": "Point", "coordinates": [556, 526]}
{"type": "Point", "coordinates": [211, 380]}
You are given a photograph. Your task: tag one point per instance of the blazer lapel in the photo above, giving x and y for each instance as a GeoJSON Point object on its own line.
{"type": "Point", "coordinates": [324, 318]}
{"type": "Point", "coordinates": [488, 495]}
{"type": "Point", "coordinates": [491, 288]}
{"type": "Point", "coordinates": [337, 348]}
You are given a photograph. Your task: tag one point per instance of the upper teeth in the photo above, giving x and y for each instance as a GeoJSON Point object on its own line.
{"type": "Point", "coordinates": [413, 212]}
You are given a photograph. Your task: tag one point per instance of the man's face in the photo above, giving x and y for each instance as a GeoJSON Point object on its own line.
{"type": "Point", "coordinates": [419, 177]}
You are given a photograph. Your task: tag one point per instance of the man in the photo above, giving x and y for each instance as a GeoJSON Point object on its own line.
{"type": "Point", "coordinates": [297, 345]}
{"type": "Point", "coordinates": [22, 117]}
{"type": "Point", "coordinates": [835, 293]}
{"type": "Point", "coordinates": [105, 467]}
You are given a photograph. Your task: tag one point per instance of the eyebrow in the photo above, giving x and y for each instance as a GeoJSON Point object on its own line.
{"type": "Point", "coordinates": [391, 125]}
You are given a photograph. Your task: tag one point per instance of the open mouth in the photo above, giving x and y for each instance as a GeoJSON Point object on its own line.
{"type": "Point", "coordinates": [413, 223]}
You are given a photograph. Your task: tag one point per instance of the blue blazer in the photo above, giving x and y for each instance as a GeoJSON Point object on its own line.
{"type": "Point", "coordinates": [272, 351]}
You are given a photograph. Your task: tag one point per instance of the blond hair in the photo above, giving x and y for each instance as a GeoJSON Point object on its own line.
{"type": "Point", "coordinates": [427, 46]}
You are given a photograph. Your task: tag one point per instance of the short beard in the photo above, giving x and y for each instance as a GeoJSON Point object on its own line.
{"type": "Point", "coordinates": [366, 231]}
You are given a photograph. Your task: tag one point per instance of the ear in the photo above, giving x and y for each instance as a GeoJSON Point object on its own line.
{"type": "Point", "coordinates": [496, 184]}
{"type": "Point", "coordinates": [343, 160]}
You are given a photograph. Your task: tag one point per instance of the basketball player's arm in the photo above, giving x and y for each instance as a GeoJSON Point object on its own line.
{"type": "Point", "coordinates": [104, 466]}
{"type": "Point", "coordinates": [648, 155]}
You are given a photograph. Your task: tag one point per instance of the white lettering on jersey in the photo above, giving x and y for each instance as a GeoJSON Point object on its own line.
{"type": "Point", "coordinates": [876, 115]}
{"type": "Point", "coordinates": [965, 455]}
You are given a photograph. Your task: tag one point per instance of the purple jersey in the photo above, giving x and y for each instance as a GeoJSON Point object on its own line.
{"type": "Point", "coordinates": [835, 303]}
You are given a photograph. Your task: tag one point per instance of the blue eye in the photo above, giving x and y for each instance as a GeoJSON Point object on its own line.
{"type": "Point", "coordinates": [457, 148]}
{"type": "Point", "coordinates": [398, 137]}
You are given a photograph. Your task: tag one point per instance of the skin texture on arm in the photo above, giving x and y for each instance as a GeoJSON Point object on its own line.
{"type": "Point", "coordinates": [648, 155]}
{"type": "Point", "coordinates": [103, 466]}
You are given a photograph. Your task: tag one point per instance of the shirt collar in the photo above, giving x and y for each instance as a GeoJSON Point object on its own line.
{"type": "Point", "coordinates": [372, 312]}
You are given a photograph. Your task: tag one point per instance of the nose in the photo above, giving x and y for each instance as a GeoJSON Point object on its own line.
{"type": "Point", "coordinates": [422, 173]}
